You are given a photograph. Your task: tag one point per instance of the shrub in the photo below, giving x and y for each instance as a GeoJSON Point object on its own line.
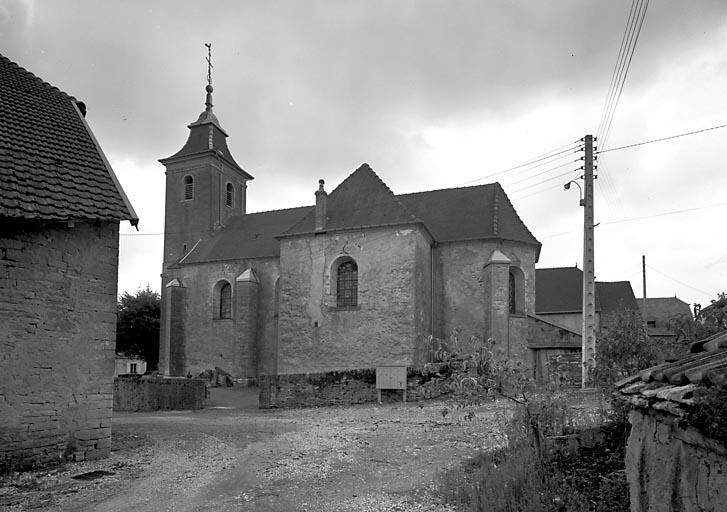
{"type": "Point", "coordinates": [708, 413]}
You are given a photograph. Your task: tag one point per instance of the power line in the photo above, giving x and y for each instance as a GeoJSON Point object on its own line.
{"type": "Point", "coordinates": [660, 139]}
{"type": "Point", "coordinates": [629, 39]}
{"type": "Point", "coordinates": [541, 173]}
{"type": "Point", "coordinates": [519, 198]}
{"type": "Point", "coordinates": [662, 214]}
{"type": "Point", "coordinates": [680, 282]}
{"type": "Point", "coordinates": [569, 148]}
{"type": "Point", "coordinates": [635, 32]}
{"type": "Point", "coordinates": [642, 217]}
{"type": "Point", "coordinates": [546, 180]}
{"type": "Point", "coordinates": [617, 68]}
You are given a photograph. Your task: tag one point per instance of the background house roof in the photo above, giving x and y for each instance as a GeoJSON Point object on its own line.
{"type": "Point", "coordinates": [560, 290]}
{"type": "Point", "coordinates": [662, 309]}
{"type": "Point", "coordinates": [615, 296]}
{"type": "Point", "coordinates": [51, 166]}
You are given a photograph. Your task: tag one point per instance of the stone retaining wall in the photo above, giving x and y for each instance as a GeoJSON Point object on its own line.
{"type": "Point", "coordinates": [152, 393]}
{"type": "Point", "coordinates": [345, 387]}
{"type": "Point", "coordinates": [673, 469]}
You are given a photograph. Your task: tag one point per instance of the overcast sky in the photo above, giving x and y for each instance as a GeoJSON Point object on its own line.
{"type": "Point", "coordinates": [432, 94]}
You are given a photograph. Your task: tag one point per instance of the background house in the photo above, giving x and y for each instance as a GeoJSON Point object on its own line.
{"type": "Point", "coordinates": [559, 298]}
{"type": "Point", "coordinates": [60, 208]}
{"type": "Point", "coordinates": [662, 316]}
{"type": "Point", "coordinates": [558, 322]}
{"type": "Point", "coordinates": [124, 365]}
{"type": "Point", "coordinates": [660, 312]}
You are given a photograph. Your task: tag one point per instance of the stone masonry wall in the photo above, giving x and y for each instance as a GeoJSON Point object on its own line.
{"type": "Point", "coordinates": [209, 341]}
{"type": "Point", "coordinates": [345, 387]}
{"type": "Point", "coordinates": [386, 325]}
{"type": "Point", "coordinates": [152, 393]}
{"type": "Point", "coordinates": [673, 469]}
{"type": "Point", "coordinates": [461, 286]}
{"type": "Point", "coordinates": [57, 340]}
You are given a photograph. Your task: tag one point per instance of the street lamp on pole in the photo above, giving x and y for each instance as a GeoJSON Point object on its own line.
{"type": "Point", "coordinates": [567, 187]}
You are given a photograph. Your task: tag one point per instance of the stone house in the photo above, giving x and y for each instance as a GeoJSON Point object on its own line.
{"type": "Point", "coordinates": [124, 365]}
{"type": "Point", "coordinates": [358, 279]}
{"type": "Point", "coordinates": [674, 463]}
{"type": "Point", "coordinates": [558, 323]}
{"type": "Point", "coordinates": [60, 208]}
{"type": "Point", "coordinates": [659, 313]}
{"type": "Point", "coordinates": [559, 298]}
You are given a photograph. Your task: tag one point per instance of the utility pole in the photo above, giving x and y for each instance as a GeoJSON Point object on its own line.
{"type": "Point", "coordinates": [588, 347]}
{"type": "Point", "coordinates": [643, 273]}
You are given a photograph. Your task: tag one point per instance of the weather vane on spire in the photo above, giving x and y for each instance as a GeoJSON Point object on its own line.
{"type": "Point", "coordinates": [209, 63]}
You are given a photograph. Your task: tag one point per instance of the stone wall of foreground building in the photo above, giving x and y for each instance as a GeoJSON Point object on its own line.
{"type": "Point", "coordinates": [57, 340]}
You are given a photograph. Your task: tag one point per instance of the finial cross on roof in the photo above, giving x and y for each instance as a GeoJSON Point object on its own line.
{"type": "Point", "coordinates": [209, 63]}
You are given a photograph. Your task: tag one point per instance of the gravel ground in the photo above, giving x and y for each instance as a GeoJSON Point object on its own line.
{"type": "Point", "coordinates": [234, 457]}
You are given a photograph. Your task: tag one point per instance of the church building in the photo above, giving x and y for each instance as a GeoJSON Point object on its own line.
{"type": "Point", "coordinates": [359, 278]}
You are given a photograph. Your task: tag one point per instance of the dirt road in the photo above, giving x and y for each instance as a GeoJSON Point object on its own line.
{"type": "Point", "coordinates": [231, 456]}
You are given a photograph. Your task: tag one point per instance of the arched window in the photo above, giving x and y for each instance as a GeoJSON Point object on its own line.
{"type": "Point", "coordinates": [226, 301]}
{"type": "Point", "coordinates": [516, 291]}
{"type": "Point", "coordinates": [230, 195]}
{"type": "Point", "coordinates": [188, 188]}
{"type": "Point", "coordinates": [347, 284]}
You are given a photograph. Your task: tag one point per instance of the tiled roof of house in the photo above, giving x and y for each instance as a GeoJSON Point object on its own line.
{"type": "Point", "coordinates": [247, 236]}
{"type": "Point", "coordinates": [663, 309]}
{"type": "Point", "coordinates": [669, 386]}
{"type": "Point", "coordinates": [560, 290]}
{"type": "Point", "coordinates": [615, 296]}
{"type": "Point", "coordinates": [363, 200]}
{"type": "Point", "coordinates": [51, 166]}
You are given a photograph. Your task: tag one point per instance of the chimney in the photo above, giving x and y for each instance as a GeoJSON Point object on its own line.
{"type": "Point", "coordinates": [321, 199]}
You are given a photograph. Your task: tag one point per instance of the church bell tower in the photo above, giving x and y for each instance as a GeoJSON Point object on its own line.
{"type": "Point", "coordinates": [204, 185]}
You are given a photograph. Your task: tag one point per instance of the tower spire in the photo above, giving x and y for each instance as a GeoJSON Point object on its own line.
{"type": "Point", "coordinates": [209, 89]}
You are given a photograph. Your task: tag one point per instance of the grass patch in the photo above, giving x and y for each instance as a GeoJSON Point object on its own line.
{"type": "Point", "coordinates": [520, 478]}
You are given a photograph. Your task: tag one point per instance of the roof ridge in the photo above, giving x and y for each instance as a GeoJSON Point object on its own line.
{"type": "Point", "coordinates": [517, 215]}
{"type": "Point", "coordinates": [559, 268]}
{"type": "Point", "coordinates": [273, 211]}
{"type": "Point", "coordinates": [398, 201]}
{"type": "Point", "coordinates": [484, 185]}
{"type": "Point", "coordinates": [495, 210]}
{"type": "Point", "coordinates": [49, 87]}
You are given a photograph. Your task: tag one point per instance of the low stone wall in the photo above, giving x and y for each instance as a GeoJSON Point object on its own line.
{"type": "Point", "coordinates": [670, 468]}
{"type": "Point", "coordinates": [345, 387]}
{"type": "Point", "coordinates": [152, 393]}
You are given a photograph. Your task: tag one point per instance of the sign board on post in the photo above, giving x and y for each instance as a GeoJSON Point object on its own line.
{"type": "Point", "coordinates": [391, 377]}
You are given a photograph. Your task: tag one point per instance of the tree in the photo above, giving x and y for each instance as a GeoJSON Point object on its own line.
{"type": "Point", "coordinates": [708, 321]}
{"type": "Point", "coordinates": [624, 349]}
{"type": "Point", "coordinates": [137, 325]}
